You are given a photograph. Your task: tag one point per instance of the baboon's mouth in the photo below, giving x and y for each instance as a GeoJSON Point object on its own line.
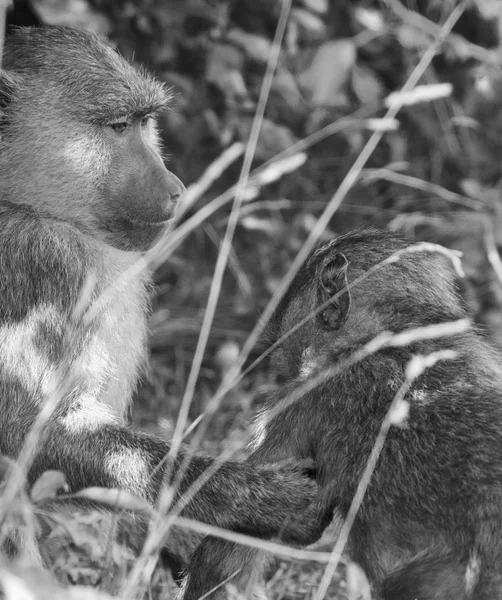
{"type": "Point", "coordinates": [127, 224]}
{"type": "Point", "coordinates": [145, 223]}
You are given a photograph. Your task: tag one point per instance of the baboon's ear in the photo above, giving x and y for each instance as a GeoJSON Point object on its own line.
{"type": "Point", "coordinates": [332, 279]}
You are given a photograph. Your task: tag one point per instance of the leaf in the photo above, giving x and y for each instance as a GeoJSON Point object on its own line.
{"type": "Point", "coordinates": [48, 485]}
{"type": "Point", "coordinates": [412, 38]}
{"type": "Point", "coordinates": [223, 58]}
{"type": "Point", "coordinates": [286, 86]}
{"type": "Point", "coordinates": [370, 19]}
{"type": "Point", "coordinates": [256, 47]}
{"type": "Point", "coordinates": [319, 6]}
{"type": "Point", "coordinates": [118, 499]}
{"type": "Point", "coordinates": [273, 138]}
{"type": "Point", "coordinates": [312, 27]}
{"type": "Point", "coordinates": [490, 9]}
{"type": "Point", "coordinates": [76, 13]}
{"type": "Point", "coordinates": [366, 85]}
{"type": "Point", "coordinates": [224, 70]}
{"type": "Point", "coordinates": [329, 71]}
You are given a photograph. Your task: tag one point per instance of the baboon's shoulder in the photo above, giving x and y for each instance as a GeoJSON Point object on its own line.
{"type": "Point", "coordinates": [42, 261]}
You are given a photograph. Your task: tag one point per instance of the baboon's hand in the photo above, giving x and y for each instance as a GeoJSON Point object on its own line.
{"type": "Point", "coordinates": [279, 500]}
{"type": "Point", "coordinates": [302, 515]}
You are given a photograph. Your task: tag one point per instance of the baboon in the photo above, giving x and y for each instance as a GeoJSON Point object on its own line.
{"type": "Point", "coordinates": [430, 524]}
{"type": "Point", "coordinates": [83, 192]}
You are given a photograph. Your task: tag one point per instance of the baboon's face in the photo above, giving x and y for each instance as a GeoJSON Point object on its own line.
{"type": "Point", "coordinates": [140, 195]}
{"type": "Point", "coordinates": [77, 125]}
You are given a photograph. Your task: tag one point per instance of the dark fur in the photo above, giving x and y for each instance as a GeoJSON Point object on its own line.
{"type": "Point", "coordinates": [65, 216]}
{"type": "Point", "coordinates": [430, 525]}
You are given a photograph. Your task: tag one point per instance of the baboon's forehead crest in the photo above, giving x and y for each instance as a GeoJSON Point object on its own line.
{"type": "Point", "coordinates": [107, 84]}
{"type": "Point", "coordinates": [372, 244]}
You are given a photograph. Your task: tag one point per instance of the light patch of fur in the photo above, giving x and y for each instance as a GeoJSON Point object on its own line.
{"type": "Point", "coordinates": [105, 372]}
{"type": "Point", "coordinates": [94, 367]}
{"type": "Point", "coordinates": [86, 154]}
{"type": "Point", "coordinates": [90, 416]}
{"type": "Point", "coordinates": [472, 572]}
{"type": "Point", "coordinates": [107, 369]}
{"type": "Point", "coordinates": [20, 358]}
{"type": "Point", "coordinates": [308, 365]}
{"type": "Point", "coordinates": [123, 329]}
{"type": "Point", "coordinates": [130, 469]}
{"type": "Point", "coordinates": [260, 431]}
{"type": "Point", "coordinates": [420, 397]}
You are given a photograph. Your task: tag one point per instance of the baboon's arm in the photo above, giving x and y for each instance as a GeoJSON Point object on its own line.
{"type": "Point", "coordinates": [50, 353]}
{"type": "Point", "coordinates": [265, 502]}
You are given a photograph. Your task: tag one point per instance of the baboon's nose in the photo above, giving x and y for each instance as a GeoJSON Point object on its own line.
{"type": "Point", "coordinates": [175, 188]}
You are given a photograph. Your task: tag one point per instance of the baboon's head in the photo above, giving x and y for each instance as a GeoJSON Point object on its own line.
{"type": "Point", "coordinates": [78, 136]}
{"type": "Point", "coordinates": [347, 300]}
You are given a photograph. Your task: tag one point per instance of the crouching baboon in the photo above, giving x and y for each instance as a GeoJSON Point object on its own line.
{"type": "Point", "coordinates": [430, 524]}
{"type": "Point", "coordinates": [83, 191]}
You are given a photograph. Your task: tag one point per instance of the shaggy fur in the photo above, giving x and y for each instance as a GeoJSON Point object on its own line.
{"type": "Point", "coordinates": [80, 198]}
{"type": "Point", "coordinates": [430, 525]}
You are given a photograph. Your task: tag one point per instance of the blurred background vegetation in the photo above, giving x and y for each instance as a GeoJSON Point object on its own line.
{"type": "Point", "coordinates": [436, 176]}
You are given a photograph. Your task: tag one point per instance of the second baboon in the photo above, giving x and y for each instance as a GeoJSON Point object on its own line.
{"type": "Point", "coordinates": [83, 192]}
{"type": "Point", "coordinates": [430, 524]}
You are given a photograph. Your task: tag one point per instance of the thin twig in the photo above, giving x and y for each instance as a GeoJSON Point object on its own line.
{"type": "Point", "coordinates": [252, 542]}
{"type": "Point", "coordinates": [424, 25]}
{"type": "Point", "coordinates": [226, 244]}
{"type": "Point", "coordinates": [210, 175]}
{"type": "Point", "coordinates": [370, 175]}
{"type": "Point", "coordinates": [140, 575]}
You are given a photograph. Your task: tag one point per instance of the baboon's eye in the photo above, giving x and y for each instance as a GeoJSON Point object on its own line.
{"type": "Point", "coordinates": [119, 127]}
{"type": "Point", "coordinates": [146, 120]}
